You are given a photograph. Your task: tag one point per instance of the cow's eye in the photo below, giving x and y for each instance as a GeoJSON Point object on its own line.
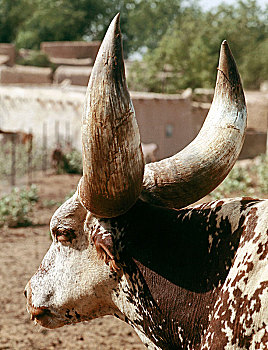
{"type": "Point", "coordinates": [64, 235]}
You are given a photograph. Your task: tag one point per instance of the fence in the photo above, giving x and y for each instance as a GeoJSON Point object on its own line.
{"type": "Point", "coordinates": [23, 158]}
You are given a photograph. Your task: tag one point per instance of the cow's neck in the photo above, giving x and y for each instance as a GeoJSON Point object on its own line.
{"type": "Point", "coordinates": [164, 315]}
{"type": "Point", "coordinates": [176, 263]}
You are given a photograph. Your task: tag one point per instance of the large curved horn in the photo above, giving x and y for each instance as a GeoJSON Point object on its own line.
{"type": "Point", "coordinates": [200, 167]}
{"type": "Point", "coordinates": [113, 162]}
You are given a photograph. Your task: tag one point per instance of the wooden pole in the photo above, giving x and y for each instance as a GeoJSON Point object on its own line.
{"type": "Point", "coordinates": [44, 148]}
{"type": "Point", "coordinates": [267, 134]}
{"type": "Point", "coordinates": [57, 133]}
{"type": "Point", "coordinates": [67, 133]}
{"type": "Point", "coordinates": [13, 160]}
{"type": "Point", "coordinates": [30, 159]}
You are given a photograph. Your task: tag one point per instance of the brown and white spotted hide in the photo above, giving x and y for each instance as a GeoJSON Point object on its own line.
{"type": "Point", "coordinates": [196, 278]}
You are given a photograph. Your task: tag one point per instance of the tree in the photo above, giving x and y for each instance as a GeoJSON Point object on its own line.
{"type": "Point", "coordinates": [53, 20]}
{"type": "Point", "coordinates": [143, 23]}
{"type": "Point", "coordinates": [180, 40]}
{"type": "Point", "coordinates": [12, 15]}
{"type": "Point", "coordinates": [29, 22]}
{"type": "Point", "coordinates": [178, 60]}
{"type": "Point", "coordinates": [190, 48]}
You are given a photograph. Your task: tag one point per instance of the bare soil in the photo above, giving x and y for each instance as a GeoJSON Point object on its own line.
{"type": "Point", "coordinates": [21, 252]}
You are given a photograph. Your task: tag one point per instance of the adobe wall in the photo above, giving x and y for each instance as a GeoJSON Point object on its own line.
{"type": "Point", "coordinates": [75, 75]}
{"type": "Point", "coordinates": [25, 75]}
{"type": "Point", "coordinates": [8, 50]}
{"type": "Point", "coordinates": [166, 120]}
{"type": "Point", "coordinates": [71, 49]}
{"type": "Point", "coordinates": [255, 143]}
{"type": "Point", "coordinates": [257, 105]}
{"type": "Point", "coordinates": [28, 108]}
{"type": "Point", "coordinates": [169, 121]}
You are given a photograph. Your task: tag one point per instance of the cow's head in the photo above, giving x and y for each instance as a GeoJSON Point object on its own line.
{"type": "Point", "coordinates": [80, 273]}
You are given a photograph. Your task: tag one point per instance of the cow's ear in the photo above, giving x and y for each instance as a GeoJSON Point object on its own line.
{"type": "Point", "coordinates": [104, 244]}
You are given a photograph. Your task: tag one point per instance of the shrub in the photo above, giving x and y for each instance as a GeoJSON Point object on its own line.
{"type": "Point", "coordinates": [16, 207]}
{"type": "Point", "coordinates": [35, 58]}
{"type": "Point", "coordinates": [247, 180]}
{"type": "Point", "coordinates": [261, 169]}
{"type": "Point", "coordinates": [73, 162]}
{"type": "Point", "coordinates": [238, 180]}
{"type": "Point", "coordinates": [70, 162]}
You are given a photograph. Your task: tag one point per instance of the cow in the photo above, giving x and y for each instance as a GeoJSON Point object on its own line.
{"type": "Point", "coordinates": [129, 244]}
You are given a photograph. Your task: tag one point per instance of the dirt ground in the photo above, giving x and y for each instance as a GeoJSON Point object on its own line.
{"type": "Point", "coordinates": [22, 250]}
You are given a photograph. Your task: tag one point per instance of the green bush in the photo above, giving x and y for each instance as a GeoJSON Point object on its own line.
{"type": "Point", "coordinates": [70, 162]}
{"type": "Point", "coordinates": [250, 180]}
{"type": "Point", "coordinates": [35, 58]}
{"type": "Point", "coordinates": [238, 180]}
{"type": "Point", "coordinates": [261, 170]}
{"type": "Point", "coordinates": [16, 207]}
{"type": "Point", "coordinates": [50, 203]}
{"type": "Point", "coordinates": [73, 162]}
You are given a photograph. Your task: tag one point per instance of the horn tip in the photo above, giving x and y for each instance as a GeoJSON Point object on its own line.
{"type": "Point", "coordinates": [226, 57]}
{"type": "Point", "coordinates": [226, 53]}
{"type": "Point", "coordinates": [227, 64]}
{"type": "Point", "coordinates": [117, 16]}
{"type": "Point", "coordinates": [115, 24]}
{"type": "Point", "coordinates": [109, 52]}
{"type": "Point", "coordinates": [113, 33]}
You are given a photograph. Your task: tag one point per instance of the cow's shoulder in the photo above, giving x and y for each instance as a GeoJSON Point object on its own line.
{"type": "Point", "coordinates": [240, 316]}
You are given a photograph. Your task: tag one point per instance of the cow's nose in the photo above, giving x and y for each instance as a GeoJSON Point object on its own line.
{"type": "Point", "coordinates": [38, 312]}
{"type": "Point", "coordinates": [27, 292]}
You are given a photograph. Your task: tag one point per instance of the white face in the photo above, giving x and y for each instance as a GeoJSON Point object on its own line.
{"type": "Point", "coordinates": [72, 283]}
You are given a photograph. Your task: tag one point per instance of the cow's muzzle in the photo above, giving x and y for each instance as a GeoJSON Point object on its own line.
{"type": "Point", "coordinates": [41, 315]}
